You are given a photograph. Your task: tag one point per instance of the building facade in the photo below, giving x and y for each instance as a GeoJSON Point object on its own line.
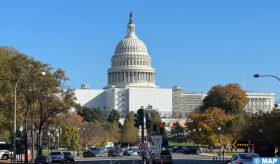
{"type": "Point", "coordinates": [260, 102]}
{"type": "Point", "coordinates": [131, 81]}
{"type": "Point", "coordinates": [185, 102]}
{"type": "Point", "coordinates": [132, 84]}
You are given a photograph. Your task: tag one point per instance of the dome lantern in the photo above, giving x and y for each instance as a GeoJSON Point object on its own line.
{"type": "Point", "coordinates": [130, 27]}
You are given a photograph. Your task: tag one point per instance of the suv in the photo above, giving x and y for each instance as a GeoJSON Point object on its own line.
{"type": "Point", "coordinates": [57, 156]}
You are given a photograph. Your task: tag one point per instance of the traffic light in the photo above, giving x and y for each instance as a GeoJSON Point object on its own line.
{"type": "Point", "coordinates": [139, 118]}
{"type": "Point", "coordinates": [155, 129]}
{"type": "Point", "coordinates": [140, 113]}
{"type": "Point", "coordinates": [161, 128]}
{"type": "Point", "coordinates": [136, 123]}
{"type": "Point", "coordinates": [148, 120]}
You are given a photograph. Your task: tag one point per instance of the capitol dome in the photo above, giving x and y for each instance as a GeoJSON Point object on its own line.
{"type": "Point", "coordinates": [130, 45]}
{"type": "Point", "coordinates": [131, 62]}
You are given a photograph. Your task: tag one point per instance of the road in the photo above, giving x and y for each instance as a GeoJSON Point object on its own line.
{"type": "Point", "coordinates": [177, 159]}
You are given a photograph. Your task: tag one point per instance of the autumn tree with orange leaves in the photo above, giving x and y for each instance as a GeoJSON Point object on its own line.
{"type": "Point", "coordinates": [231, 98]}
{"type": "Point", "coordinates": [208, 122]}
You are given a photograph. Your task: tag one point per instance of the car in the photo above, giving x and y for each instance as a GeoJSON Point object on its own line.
{"type": "Point", "coordinates": [43, 159]}
{"type": "Point", "coordinates": [115, 153]}
{"type": "Point", "coordinates": [68, 156]}
{"type": "Point", "coordinates": [99, 151]}
{"type": "Point", "coordinates": [165, 157]}
{"type": "Point", "coordinates": [57, 156]}
{"type": "Point", "coordinates": [90, 154]}
{"type": "Point", "coordinates": [244, 158]}
{"type": "Point", "coordinates": [130, 152]}
{"type": "Point", "coordinates": [178, 150]}
{"type": "Point", "coordinates": [190, 151]}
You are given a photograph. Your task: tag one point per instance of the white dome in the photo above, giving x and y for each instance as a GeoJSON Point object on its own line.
{"type": "Point", "coordinates": [131, 63]}
{"type": "Point", "coordinates": [130, 44]}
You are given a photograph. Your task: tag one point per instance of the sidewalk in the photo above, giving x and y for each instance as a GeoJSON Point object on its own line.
{"type": "Point", "coordinates": [216, 157]}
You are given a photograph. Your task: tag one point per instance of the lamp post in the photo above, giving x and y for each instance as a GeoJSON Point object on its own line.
{"type": "Point", "coordinates": [219, 134]}
{"type": "Point", "coordinates": [49, 133]}
{"type": "Point", "coordinates": [194, 137]}
{"type": "Point", "coordinates": [21, 129]}
{"type": "Point", "coordinates": [258, 75]}
{"type": "Point", "coordinates": [200, 136]}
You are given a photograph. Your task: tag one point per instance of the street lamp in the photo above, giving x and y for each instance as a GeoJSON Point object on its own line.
{"type": "Point", "coordinates": [49, 133]}
{"type": "Point", "coordinates": [219, 133]}
{"type": "Point", "coordinates": [194, 137]}
{"type": "Point", "coordinates": [21, 129]}
{"type": "Point", "coordinates": [258, 75]}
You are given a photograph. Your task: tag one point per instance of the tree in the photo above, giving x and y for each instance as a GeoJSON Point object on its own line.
{"type": "Point", "coordinates": [178, 133]}
{"type": "Point", "coordinates": [72, 137]}
{"type": "Point", "coordinates": [91, 114]}
{"type": "Point", "coordinates": [156, 120]}
{"type": "Point", "coordinates": [114, 132]}
{"type": "Point", "coordinates": [270, 125]}
{"type": "Point", "coordinates": [129, 132]}
{"type": "Point", "coordinates": [231, 98]}
{"type": "Point", "coordinates": [209, 121]}
{"type": "Point", "coordinates": [41, 97]}
{"type": "Point", "coordinates": [114, 116]}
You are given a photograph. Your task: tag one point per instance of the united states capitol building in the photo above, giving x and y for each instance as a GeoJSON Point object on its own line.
{"type": "Point", "coordinates": [132, 84]}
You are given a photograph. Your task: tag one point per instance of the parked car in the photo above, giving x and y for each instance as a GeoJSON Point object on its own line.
{"type": "Point", "coordinates": [178, 149]}
{"type": "Point", "coordinates": [165, 157]}
{"type": "Point", "coordinates": [43, 159]}
{"type": "Point", "coordinates": [115, 153]}
{"type": "Point", "coordinates": [130, 152]}
{"type": "Point", "coordinates": [100, 151]}
{"type": "Point", "coordinates": [57, 156]}
{"type": "Point", "coordinates": [68, 156]}
{"type": "Point", "coordinates": [5, 150]}
{"type": "Point", "coordinates": [244, 158]}
{"type": "Point", "coordinates": [90, 154]}
{"type": "Point", "coordinates": [190, 151]}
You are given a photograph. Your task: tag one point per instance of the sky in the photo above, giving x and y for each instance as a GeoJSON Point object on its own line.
{"type": "Point", "coordinates": [194, 44]}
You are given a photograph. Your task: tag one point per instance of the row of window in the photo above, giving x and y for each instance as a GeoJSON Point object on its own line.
{"type": "Point", "coordinates": [131, 62]}
{"type": "Point", "coordinates": [131, 49]}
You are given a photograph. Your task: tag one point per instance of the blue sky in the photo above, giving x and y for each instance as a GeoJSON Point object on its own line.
{"type": "Point", "coordinates": [193, 44]}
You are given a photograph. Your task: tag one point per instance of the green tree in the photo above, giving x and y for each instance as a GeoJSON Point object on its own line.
{"type": "Point", "coordinates": [114, 132]}
{"type": "Point", "coordinates": [129, 132]}
{"type": "Point", "coordinates": [91, 114]}
{"type": "Point", "coordinates": [156, 120]}
{"type": "Point", "coordinates": [72, 137]}
{"type": "Point", "coordinates": [178, 133]}
{"type": "Point", "coordinates": [270, 127]}
{"type": "Point", "coordinates": [114, 116]}
{"type": "Point", "coordinates": [231, 98]}
{"type": "Point", "coordinates": [39, 98]}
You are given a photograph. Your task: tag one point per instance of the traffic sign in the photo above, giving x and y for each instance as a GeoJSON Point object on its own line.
{"type": "Point", "coordinates": [157, 140]}
{"type": "Point", "coordinates": [143, 147]}
{"type": "Point", "coordinates": [240, 144]}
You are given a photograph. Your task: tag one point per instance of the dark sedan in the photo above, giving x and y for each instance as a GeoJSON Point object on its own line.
{"type": "Point", "coordinates": [42, 159]}
{"type": "Point", "coordinates": [115, 153]}
{"type": "Point", "coordinates": [190, 151]}
{"type": "Point", "coordinates": [90, 154]}
{"type": "Point", "coordinates": [68, 156]}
